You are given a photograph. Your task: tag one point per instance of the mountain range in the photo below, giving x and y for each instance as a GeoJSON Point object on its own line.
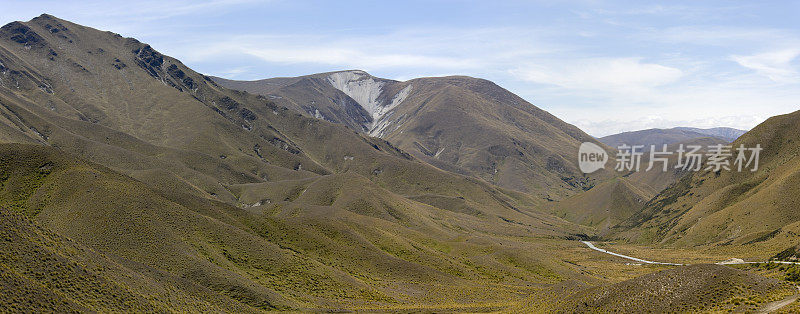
{"type": "Point", "coordinates": [131, 183]}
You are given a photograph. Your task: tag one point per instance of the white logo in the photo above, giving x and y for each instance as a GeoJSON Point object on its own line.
{"type": "Point", "coordinates": [591, 157]}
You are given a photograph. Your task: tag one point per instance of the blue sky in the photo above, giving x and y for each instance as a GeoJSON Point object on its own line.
{"type": "Point", "coordinates": [605, 66]}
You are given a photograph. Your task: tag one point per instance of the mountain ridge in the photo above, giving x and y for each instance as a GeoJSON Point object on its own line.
{"type": "Point", "coordinates": [457, 123]}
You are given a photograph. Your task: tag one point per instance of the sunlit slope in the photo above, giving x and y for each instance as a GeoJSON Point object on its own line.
{"type": "Point", "coordinates": [117, 215]}
{"type": "Point", "coordinates": [605, 205]}
{"type": "Point", "coordinates": [43, 272]}
{"type": "Point", "coordinates": [732, 207]}
{"type": "Point", "coordinates": [615, 200]}
{"type": "Point", "coordinates": [120, 103]}
{"type": "Point", "coordinates": [318, 251]}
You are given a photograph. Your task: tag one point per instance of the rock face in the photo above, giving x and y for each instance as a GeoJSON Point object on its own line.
{"type": "Point", "coordinates": [461, 124]}
{"type": "Point", "coordinates": [360, 87]}
{"type": "Point", "coordinates": [22, 34]}
{"type": "Point", "coordinates": [368, 92]}
{"type": "Point", "coordinates": [153, 62]}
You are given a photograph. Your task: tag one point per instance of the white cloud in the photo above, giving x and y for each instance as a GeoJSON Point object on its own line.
{"type": "Point", "coordinates": [600, 74]}
{"type": "Point", "coordinates": [725, 36]}
{"type": "Point", "coordinates": [776, 65]}
{"type": "Point", "coordinates": [434, 50]}
{"type": "Point", "coordinates": [234, 73]}
{"type": "Point", "coordinates": [148, 10]}
{"type": "Point", "coordinates": [739, 101]}
{"type": "Point", "coordinates": [140, 18]}
{"type": "Point", "coordinates": [352, 58]}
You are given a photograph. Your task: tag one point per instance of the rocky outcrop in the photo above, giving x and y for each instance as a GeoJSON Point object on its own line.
{"type": "Point", "coordinates": [22, 34]}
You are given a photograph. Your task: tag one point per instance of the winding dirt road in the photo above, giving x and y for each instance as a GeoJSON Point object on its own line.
{"type": "Point", "coordinates": [729, 262]}
{"type": "Point", "coordinates": [591, 246]}
{"type": "Point", "coordinates": [774, 306]}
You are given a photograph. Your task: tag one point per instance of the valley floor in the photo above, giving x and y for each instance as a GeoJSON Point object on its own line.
{"type": "Point", "coordinates": [598, 266]}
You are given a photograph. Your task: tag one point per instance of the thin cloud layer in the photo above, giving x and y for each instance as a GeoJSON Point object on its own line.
{"type": "Point", "coordinates": [599, 74]}
{"type": "Point", "coordinates": [776, 65]}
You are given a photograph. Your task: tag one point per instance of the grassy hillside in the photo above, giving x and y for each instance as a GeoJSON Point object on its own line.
{"type": "Point", "coordinates": [756, 209]}
{"type": "Point", "coordinates": [614, 201]}
{"type": "Point", "coordinates": [133, 155]}
{"type": "Point", "coordinates": [325, 249]}
{"type": "Point", "coordinates": [132, 118]}
{"type": "Point", "coordinates": [119, 216]}
{"type": "Point", "coordinates": [43, 272]}
{"type": "Point", "coordinates": [603, 206]}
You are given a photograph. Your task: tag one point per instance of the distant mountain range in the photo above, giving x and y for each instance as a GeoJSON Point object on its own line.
{"type": "Point", "coordinates": [728, 134]}
{"type": "Point", "coordinates": [660, 137]}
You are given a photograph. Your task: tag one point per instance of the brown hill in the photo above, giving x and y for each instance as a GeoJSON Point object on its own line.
{"type": "Point", "coordinates": [461, 124]}
{"type": "Point", "coordinates": [615, 200]}
{"type": "Point", "coordinates": [165, 191]}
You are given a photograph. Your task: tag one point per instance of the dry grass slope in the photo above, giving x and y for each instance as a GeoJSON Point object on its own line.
{"type": "Point", "coordinates": [754, 209]}
{"type": "Point", "coordinates": [686, 289]}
